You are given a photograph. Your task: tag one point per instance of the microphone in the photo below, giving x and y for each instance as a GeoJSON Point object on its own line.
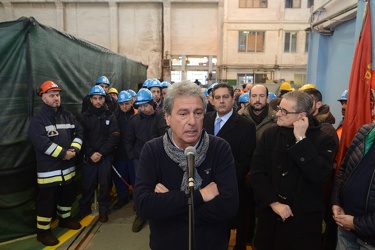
{"type": "Point", "coordinates": [190, 157]}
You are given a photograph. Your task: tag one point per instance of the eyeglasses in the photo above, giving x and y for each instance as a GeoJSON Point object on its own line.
{"type": "Point", "coordinates": [285, 112]}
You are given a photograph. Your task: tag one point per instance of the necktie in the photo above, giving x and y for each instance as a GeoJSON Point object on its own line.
{"type": "Point", "coordinates": [217, 126]}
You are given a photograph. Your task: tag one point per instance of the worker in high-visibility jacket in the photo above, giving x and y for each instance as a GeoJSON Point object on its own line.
{"type": "Point", "coordinates": [57, 139]}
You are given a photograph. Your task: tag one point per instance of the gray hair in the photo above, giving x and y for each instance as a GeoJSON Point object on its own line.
{"type": "Point", "coordinates": [184, 88]}
{"type": "Point", "coordinates": [304, 101]}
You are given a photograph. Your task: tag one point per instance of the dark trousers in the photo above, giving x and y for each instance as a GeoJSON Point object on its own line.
{"type": "Point", "coordinates": [91, 176]}
{"type": "Point", "coordinates": [245, 221]}
{"type": "Point", "coordinates": [126, 170]}
{"type": "Point", "coordinates": [302, 231]}
{"type": "Point", "coordinates": [48, 197]}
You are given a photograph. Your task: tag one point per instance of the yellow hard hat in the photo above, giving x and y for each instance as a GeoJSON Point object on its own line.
{"type": "Point", "coordinates": [112, 90]}
{"type": "Point", "coordinates": [286, 86]}
{"type": "Point", "coordinates": [308, 86]}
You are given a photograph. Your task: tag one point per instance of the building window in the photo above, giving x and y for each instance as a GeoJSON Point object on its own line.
{"type": "Point", "coordinates": [299, 79]}
{"type": "Point", "coordinates": [245, 78]}
{"type": "Point", "coordinates": [252, 78]}
{"type": "Point", "coordinates": [310, 3]}
{"type": "Point", "coordinates": [253, 3]}
{"type": "Point", "coordinates": [293, 4]}
{"type": "Point", "coordinates": [290, 42]}
{"type": "Point", "coordinates": [251, 41]}
{"type": "Point", "coordinates": [307, 41]}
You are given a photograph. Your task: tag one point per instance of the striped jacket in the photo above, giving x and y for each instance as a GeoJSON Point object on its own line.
{"type": "Point", "coordinates": [52, 134]}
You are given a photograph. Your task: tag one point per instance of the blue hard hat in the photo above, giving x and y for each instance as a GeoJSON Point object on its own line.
{"type": "Point", "coordinates": [205, 91]}
{"type": "Point", "coordinates": [97, 90]}
{"type": "Point", "coordinates": [145, 83]}
{"type": "Point", "coordinates": [244, 98]}
{"type": "Point", "coordinates": [211, 87]}
{"type": "Point", "coordinates": [165, 84]}
{"type": "Point", "coordinates": [102, 79]}
{"type": "Point", "coordinates": [132, 92]}
{"type": "Point", "coordinates": [153, 82]}
{"type": "Point", "coordinates": [344, 96]}
{"type": "Point", "coordinates": [271, 95]}
{"type": "Point", "coordinates": [124, 96]}
{"type": "Point", "coordinates": [143, 96]}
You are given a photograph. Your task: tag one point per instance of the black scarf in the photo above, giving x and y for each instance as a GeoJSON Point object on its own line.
{"type": "Point", "coordinates": [259, 118]}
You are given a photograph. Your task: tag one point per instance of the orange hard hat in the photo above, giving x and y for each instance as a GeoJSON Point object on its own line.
{"type": "Point", "coordinates": [47, 86]}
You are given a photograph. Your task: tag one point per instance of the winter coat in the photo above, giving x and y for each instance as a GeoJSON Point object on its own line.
{"type": "Point", "coordinates": [101, 132]}
{"type": "Point", "coordinates": [365, 224]}
{"type": "Point", "coordinates": [324, 115]}
{"type": "Point", "coordinates": [52, 133]}
{"type": "Point", "coordinates": [139, 132]}
{"type": "Point", "coordinates": [123, 120]}
{"type": "Point", "coordinates": [268, 121]}
{"type": "Point", "coordinates": [293, 174]}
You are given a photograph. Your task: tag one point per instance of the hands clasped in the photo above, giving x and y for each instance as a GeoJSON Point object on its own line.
{"type": "Point", "coordinates": [282, 210]}
{"type": "Point", "coordinates": [343, 220]}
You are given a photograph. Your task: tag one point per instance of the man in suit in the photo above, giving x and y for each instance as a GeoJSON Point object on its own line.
{"type": "Point", "coordinates": [239, 132]}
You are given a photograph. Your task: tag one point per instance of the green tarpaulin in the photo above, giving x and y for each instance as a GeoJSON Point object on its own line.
{"type": "Point", "coordinates": [31, 53]}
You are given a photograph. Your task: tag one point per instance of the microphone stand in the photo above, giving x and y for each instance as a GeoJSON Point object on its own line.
{"type": "Point", "coordinates": [191, 213]}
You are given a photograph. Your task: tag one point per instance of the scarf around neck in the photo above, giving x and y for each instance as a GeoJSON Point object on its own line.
{"type": "Point", "coordinates": [178, 156]}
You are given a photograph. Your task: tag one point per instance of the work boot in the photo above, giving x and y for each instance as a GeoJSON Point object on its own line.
{"type": "Point", "coordinates": [120, 203]}
{"type": "Point", "coordinates": [47, 239]}
{"type": "Point", "coordinates": [69, 223]}
{"type": "Point", "coordinates": [137, 224]}
{"type": "Point", "coordinates": [103, 217]}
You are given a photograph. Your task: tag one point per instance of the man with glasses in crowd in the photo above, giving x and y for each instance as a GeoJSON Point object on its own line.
{"type": "Point", "coordinates": [289, 166]}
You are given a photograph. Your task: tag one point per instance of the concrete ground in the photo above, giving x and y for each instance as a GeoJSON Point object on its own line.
{"type": "Point", "coordinates": [114, 234]}
{"type": "Point", "coordinates": [94, 235]}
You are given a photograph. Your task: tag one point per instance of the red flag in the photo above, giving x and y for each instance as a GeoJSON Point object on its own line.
{"type": "Point", "coordinates": [360, 99]}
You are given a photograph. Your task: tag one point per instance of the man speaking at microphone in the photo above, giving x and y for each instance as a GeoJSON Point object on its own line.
{"type": "Point", "coordinates": [161, 190]}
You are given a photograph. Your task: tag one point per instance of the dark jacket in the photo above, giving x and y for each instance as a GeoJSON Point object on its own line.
{"type": "Point", "coordinates": [365, 224]}
{"type": "Point", "coordinates": [324, 115]}
{"type": "Point", "coordinates": [168, 212]}
{"type": "Point", "coordinates": [123, 120]}
{"type": "Point", "coordinates": [239, 132]}
{"type": "Point", "coordinates": [268, 121]}
{"type": "Point", "coordinates": [52, 134]}
{"type": "Point", "coordinates": [111, 103]}
{"type": "Point", "coordinates": [159, 125]}
{"type": "Point", "coordinates": [101, 131]}
{"type": "Point", "coordinates": [139, 132]}
{"type": "Point", "coordinates": [293, 174]}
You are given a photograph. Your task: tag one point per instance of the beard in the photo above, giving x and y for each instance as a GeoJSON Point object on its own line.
{"type": "Point", "coordinates": [257, 108]}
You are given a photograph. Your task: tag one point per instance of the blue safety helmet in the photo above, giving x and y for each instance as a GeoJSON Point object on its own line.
{"type": "Point", "coordinates": [132, 92]}
{"type": "Point", "coordinates": [145, 84]}
{"type": "Point", "coordinates": [211, 87]}
{"type": "Point", "coordinates": [271, 95]}
{"type": "Point", "coordinates": [344, 96]}
{"type": "Point", "coordinates": [124, 96]}
{"type": "Point", "coordinates": [205, 91]}
{"type": "Point", "coordinates": [97, 90]}
{"type": "Point", "coordinates": [143, 96]}
{"type": "Point", "coordinates": [165, 84]}
{"type": "Point", "coordinates": [153, 82]}
{"type": "Point", "coordinates": [244, 98]}
{"type": "Point", "coordinates": [102, 79]}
